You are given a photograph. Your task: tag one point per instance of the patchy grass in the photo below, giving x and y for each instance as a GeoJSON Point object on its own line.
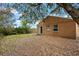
{"type": "Point", "coordinates": [9, 43]}
{"type": "Point", "coordinates": [18, 36]}
{"type": "Point", "coordinates": [31, 44]}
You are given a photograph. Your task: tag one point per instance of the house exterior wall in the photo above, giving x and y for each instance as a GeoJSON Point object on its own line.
{"type": "Point", "coordinates": [66, 27]}
{"type": "Point", "coordinates": [77, 31]}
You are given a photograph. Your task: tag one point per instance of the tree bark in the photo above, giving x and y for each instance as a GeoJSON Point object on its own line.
{"type": "Point", "coordinates": [71, 11]}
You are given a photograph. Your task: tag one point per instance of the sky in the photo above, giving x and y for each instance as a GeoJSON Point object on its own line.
{"type": "Point", "coordinates": [16, 16]}
{"type": "Point", "coordinates": [17, 21]}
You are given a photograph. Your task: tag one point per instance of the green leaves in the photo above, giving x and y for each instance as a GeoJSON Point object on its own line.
{"type": "Point", "coordinates": [1, 17]}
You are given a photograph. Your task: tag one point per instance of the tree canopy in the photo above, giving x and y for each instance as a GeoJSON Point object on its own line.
{"type": "Point", "coordinates": [37, 11]}
{"type": "Point", "coordinates": [30, 13]}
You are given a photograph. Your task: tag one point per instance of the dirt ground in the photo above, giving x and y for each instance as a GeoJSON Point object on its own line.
{"type": "Point", "coordinates": [40, 46]}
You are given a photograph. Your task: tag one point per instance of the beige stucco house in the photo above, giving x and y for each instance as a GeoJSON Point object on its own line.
{"type": "Point", "coordinates": [58, 26]}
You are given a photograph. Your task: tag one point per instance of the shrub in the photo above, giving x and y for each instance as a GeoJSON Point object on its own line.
{"type": "Point", "coordinates": [1, 36]}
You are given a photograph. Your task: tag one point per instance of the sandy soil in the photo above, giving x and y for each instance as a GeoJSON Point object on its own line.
{"type": "Point", "coordinates": [41, 46]}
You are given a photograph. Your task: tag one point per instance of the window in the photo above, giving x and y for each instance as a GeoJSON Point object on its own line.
{"type": "Point", "coordinates": [55, 27]}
